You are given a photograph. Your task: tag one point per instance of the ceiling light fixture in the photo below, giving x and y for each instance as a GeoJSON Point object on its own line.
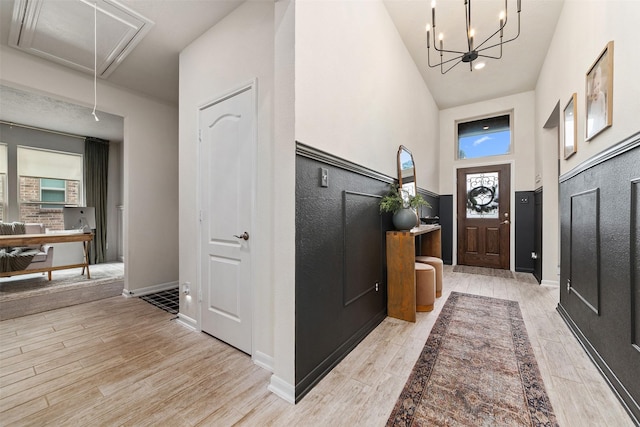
{"type": "Point", "coordinates": [473, 51]}
{"type": "Point", "coordinates": [95, 61]}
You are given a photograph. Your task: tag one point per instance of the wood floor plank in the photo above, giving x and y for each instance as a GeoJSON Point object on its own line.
{"type": "Point", "coordinates": [14, 394]}
{"type": "Point", "coordinates": [17, 413]}
{"type": "Point", "coordinates": [265, 412]}
{"type": "Point", "coordinates": [373, 366]}
{"type": "Point", "coordinates": [121, 361]}
{"type": "Point", "coordinates": [6, 354]}
{"type": "Point", "coordinates": [21, 360]}
{"type": "Point", "coordinates": [58, 411]}
{"type": "Point", "coordinates": [81, 385]}
{"type": "Point", "coordinates": [16, 376]}
{"type": "Point", "coordinates": [183, 390]}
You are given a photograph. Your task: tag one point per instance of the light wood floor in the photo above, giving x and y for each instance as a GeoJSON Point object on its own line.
{"type": "Point", "coordinates": [124, 362]}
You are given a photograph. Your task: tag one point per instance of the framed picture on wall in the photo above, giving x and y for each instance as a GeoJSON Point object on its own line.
{"type": "Point", "coordinates": [599, 93]}
{"type": "Point", "coordinates": [570, 140]}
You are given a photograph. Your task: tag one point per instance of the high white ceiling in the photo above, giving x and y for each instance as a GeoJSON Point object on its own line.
{"type": "Point", "coordinates": [151, 68]}
{"type": "Point", "coordinates": [521, 61]}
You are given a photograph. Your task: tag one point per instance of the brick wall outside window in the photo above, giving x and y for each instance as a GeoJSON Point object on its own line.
{"type": "Point", "coordinates": [30, 206]}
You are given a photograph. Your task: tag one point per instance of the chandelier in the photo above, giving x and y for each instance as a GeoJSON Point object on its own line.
{"type": "Point", "coordinates": [473, 51]}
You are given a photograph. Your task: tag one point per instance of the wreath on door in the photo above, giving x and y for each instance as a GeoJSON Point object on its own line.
{"type": "Point", "coordinates": [482, 199]}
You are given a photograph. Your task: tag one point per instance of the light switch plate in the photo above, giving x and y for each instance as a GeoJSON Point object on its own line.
{"type": "Point", "coordinates": [324, 177]}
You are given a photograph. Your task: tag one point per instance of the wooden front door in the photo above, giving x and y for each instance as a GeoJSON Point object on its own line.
{"type": "Point", "coordinates": [484, 220]}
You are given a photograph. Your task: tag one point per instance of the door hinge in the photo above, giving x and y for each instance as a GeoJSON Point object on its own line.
{"type": "Point", "coordinates": [201, 216]}
{"type": "Point", "coordinates": [199, 135]}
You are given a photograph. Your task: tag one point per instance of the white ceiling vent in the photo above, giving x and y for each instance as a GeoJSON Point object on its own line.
{"type": "Point", "coordinates": [62, 31]}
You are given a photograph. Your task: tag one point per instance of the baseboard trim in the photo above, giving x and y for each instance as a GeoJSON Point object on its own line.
{"type": "Point", "coordinates": [263, 360]}
{"type": "Point", "coordinates": [282, 389]}
{"type": "Point", "coordinates": [554, 283]}
{"type": "Point", "coordinates": [187, 322]}
{"type": "Point", "coordinates": [150, 289]}
{"type": "Point", "coordinates": [628, 403]}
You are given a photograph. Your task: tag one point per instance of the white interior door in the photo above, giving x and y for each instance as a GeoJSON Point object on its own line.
{"type": "Point", "coordinates": [226, 176]}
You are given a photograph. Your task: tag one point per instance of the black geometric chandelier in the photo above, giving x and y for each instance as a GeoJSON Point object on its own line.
{"type": "Point", "coordinates": [472, 50]}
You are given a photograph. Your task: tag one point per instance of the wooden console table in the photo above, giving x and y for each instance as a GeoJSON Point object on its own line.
{"type": "Point", "coordinates": [42, 239]}
{"type": "Point", "coordinates": [401, 258]}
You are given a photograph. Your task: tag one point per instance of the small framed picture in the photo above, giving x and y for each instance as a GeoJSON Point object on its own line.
{"type": "Point", "coordinates": [570, 139]}
{"type": "Point", "coordinates": [599, 93]}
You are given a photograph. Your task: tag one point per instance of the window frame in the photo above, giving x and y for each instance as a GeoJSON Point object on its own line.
{"type": "Point", "coordinates": [44, 207]}
{"type": "Point", "coordinates": [53, 205]}
{"type": "Point", "coordinates": [511, 151]}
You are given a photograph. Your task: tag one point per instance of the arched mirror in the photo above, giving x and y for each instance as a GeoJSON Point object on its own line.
{"type": "Point", "coordinates": [406, 171]}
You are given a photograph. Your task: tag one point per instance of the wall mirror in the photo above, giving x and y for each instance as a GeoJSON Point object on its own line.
{"type": "Point", "coordinates": [406, 171]}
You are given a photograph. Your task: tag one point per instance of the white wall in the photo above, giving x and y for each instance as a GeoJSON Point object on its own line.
{"type": "Point", "coordinates": [583, 30]}
{"type": "Point", "coordinates": [359, 95]}
{"type": "Point", "coordinates": [523, 148]}
{"type": "Point", "coordinates": [284, 175]}
{"type": "Point", "coordinates": [237, 50]}
{"type": "Point", "coordinates": [589, 26]}
{"type": "Point", "coordinates": [150, 169]}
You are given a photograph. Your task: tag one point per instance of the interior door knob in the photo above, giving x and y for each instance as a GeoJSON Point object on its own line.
{"type": "Point", "coordinates": [244, 236]}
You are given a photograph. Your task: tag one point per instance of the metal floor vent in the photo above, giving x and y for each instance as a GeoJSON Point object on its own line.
{"type": "Point", "coordinates": [166, 300]}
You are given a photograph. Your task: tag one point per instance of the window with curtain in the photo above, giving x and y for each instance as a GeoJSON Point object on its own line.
{"type": "Point", "coordinates": [48, 180]}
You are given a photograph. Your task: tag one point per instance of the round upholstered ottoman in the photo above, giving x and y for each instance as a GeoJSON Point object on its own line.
{"type": "Point", "coordinates": [437, 264]}
{"type": "Point", "coordinates": [425, 287]}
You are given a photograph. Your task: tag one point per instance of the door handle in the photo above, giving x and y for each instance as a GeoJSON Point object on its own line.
{"type": "Point", "coordinates": [244, 236]}
{"type": "Point", "coordinates": [506, 221]}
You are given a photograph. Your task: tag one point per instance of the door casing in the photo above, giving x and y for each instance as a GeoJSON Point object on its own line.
{"type": "Point", "coordinates": [471, 164]}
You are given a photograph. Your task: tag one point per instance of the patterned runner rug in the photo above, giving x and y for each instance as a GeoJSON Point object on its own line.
{"type": "Point", "coordinates": [476, 369]}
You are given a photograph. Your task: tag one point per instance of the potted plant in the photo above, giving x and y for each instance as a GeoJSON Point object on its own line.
{"type": "Point", "coordinates": [403, 206]}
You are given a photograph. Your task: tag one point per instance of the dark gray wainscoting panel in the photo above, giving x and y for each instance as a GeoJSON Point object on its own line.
{"type": "Point", "coordinates": [584, 261]}
{"type": "Point", "coordinates": [341, 292]}
{"type": "Point", "coordinates": [433, 200]}
{"type": "Point", "coordinates": [599, 256]}
{"type": "Point", "coordinates": [635, 261]}
{"type": "Point", "coordinates": [362, 247]}
{"type": "Point", "coordinates": [525, 230]}
{"type": "Point", "coordinates": [446, 222]}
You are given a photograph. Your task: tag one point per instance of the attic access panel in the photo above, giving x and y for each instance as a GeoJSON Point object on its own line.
{"type": "Point", "coordinates": [63, 32]}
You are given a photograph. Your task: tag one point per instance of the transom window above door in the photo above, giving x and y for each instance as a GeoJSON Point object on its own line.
{"type": "Point", "coordinates": [486, 137]}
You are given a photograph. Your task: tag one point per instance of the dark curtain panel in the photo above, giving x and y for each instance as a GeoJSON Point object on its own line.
{"type": "Point", "coordinates": [96, 171]}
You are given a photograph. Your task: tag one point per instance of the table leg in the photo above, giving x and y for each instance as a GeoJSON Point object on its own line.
{"type": "Point", "coordinates": [86, 259]}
